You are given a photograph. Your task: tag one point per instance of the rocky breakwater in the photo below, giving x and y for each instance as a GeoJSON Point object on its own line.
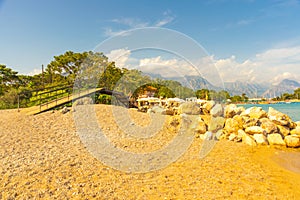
{"type": "Point", "coordinates": [252, 126]}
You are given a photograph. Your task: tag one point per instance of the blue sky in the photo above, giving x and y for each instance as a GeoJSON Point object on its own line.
{"type": "Point", "coordinates": [252, 40]}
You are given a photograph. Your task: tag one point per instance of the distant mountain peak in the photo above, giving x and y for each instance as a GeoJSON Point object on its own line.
{"type": "Point", "coordinates": [285, 86]}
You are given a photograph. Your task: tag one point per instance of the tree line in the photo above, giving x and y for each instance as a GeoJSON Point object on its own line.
{"type": "Point", "coordinates": [288, 96]}
{"type": "Point", "coordinates": [93, 69]}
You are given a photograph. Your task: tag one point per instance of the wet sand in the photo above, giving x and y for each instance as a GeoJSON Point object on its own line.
{"type": "Point", "coordinates": [42, 157]}
{"type": "Point", "coordinates": [289, 160]}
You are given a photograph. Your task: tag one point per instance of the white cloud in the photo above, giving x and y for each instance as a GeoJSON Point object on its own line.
{"type": "Point", "coordinates": [120, 57]}
{"type": "Point", "coordinates": [244, 22]}
{"type": "Point", "coordinates": [109, 32]}
{"type": "Point", "coordinates": [132, 23]}
{"type": "Point", "coordinates": [167, 67]}
{"type": "Point", "coordinates": [272, 65]}
{"type": "Point", "coordinates": [286, 75]}
{"type": "Point", "coordinates": [35, 72]}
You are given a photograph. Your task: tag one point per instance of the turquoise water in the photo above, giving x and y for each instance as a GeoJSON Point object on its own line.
{"type": "Point", "coordinates": [291, 109]}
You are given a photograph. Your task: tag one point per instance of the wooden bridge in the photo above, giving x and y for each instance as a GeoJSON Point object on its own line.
{"type": "Point", "coordinates": [58, 97]}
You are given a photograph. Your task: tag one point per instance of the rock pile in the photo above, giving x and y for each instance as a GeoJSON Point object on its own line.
{"type": "Point", "coordinates": [253, 126]}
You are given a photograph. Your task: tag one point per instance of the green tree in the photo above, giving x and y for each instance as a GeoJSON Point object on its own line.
{"type": "Point", "coordinates": [297, 93]}
{"type": "Point", "coordinates": [202, 94]}
{"type": "Point", "coordinates": [67, 65]}
{"type": "Point", "coordinates": [236, 98]}
{"type": "Point", "coordinates": [110, 76]}
{"type": "Point", "coordinates": [244, 97]}
{"type": "Point", "coordinates": [8, 79]}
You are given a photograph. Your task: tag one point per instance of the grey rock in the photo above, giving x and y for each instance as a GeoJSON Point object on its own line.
{"type": "Point", "coordinates": [217, 110]}
{"type": "Point", "coordinates": [189, 108]}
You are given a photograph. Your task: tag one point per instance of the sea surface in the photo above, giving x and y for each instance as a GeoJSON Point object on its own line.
{"type": "Point", "coordinates": [291, 109]}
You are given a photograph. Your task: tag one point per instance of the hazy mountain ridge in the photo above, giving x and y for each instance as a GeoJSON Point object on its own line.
{"type": "Point", "coordinates": [252, 90]}
{"type": "Point", "coordinates": [285, 86]}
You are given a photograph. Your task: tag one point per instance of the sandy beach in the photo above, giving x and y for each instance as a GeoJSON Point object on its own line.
{"type": "Point", "coordinates": [43, 157]}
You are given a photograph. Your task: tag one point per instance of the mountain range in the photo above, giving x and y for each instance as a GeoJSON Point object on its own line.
{"type": "Point", "coordinates": [285, 86]}
{"type": "Point", "coordinates": [252, 90]}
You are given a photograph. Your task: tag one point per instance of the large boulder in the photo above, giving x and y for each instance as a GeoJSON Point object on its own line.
{"type": "Point", "coordinates": [283, 130]}
{"type": "Point", "coordinates": [260, 139]}
{"type": "Point", "coordinates": [248, 122]}
{"type": "Point", "coordinates": [239, 119]}
{"type": "Point", "coordinates": [232, 126]}
{"type": "Point", "coordinates": [240, 110]}
{"type": "Point", "coordinates": [201, 128]}
{"type": "Point", "coordinates": [216, 123]}
{"type": "Point", "coordinates": [257, 113]}
{"type": "Point", "coordinates": [209, 105]}
{"type": "Point", "coordinates": [189, 108]}
{"type": "Point", "coordinates": [156, 109]}
{"type": "Point", "coordinates": [230, 111]}
{"type": "Point", "coordinates": [275, 139]}
{"type": "Point", "coordinates": [280, 118]}
{"type": "Point", "coordinates": [217, 110]}
{"type": "Point", "coordinates": [240, 135]}
{"type": "Point", "coordinates": [295, 131]}
{"type": "Point", "coordinates": [248, 139]}
{"type": "Point", "coordinates": [254, 112]}
{"type": "Point", "coordinates": [268, 125]}
{"type": "Point", "coordinates": [255, 130]}
{"type": "Point", "coordinates": [206, 119]}
{"type": "Point", "coordinates": [292, 141]}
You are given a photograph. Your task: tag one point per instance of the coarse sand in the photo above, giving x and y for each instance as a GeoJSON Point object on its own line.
{"type": "Point", "coordinates": [43, 157]}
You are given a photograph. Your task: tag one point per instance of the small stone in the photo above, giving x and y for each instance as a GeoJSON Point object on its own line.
{"type": "Point", "coordinates": [65, 110]}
